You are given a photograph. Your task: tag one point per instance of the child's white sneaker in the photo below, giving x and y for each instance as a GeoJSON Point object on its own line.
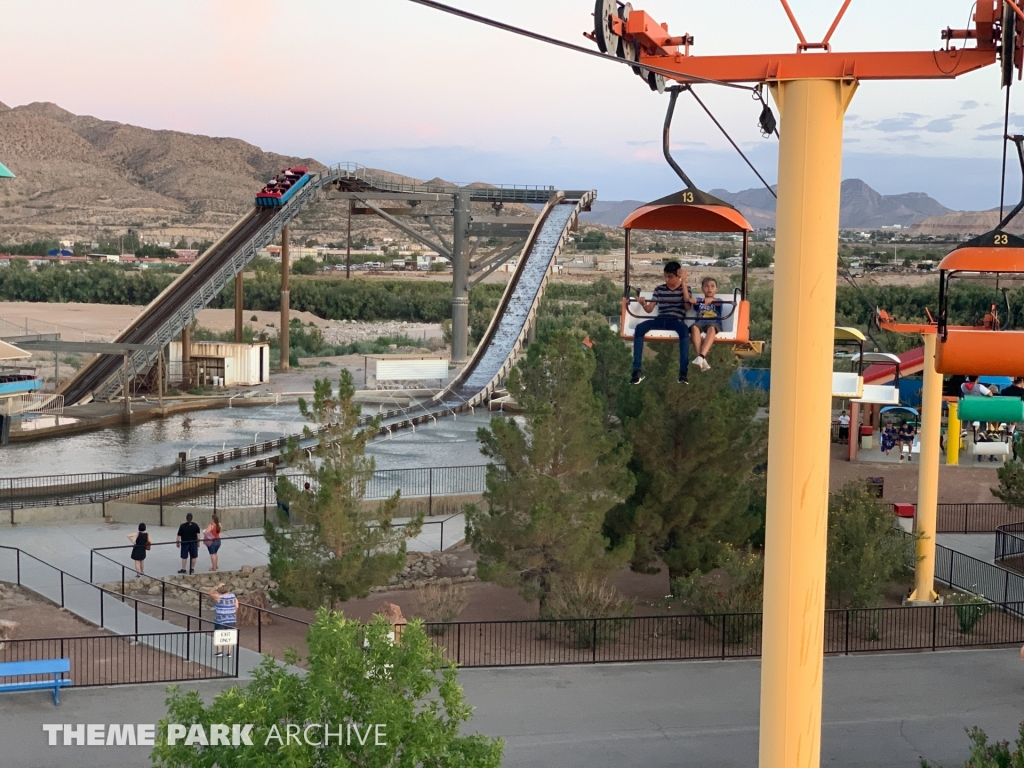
{"type": "Point", "coordinates": [701, 363]}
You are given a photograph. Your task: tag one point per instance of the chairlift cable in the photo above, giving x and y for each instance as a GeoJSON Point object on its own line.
{"type": "Point", "coordinates": [1006, 137]}
{"type": "Point", "coordinates": [569, 46]}
{"type": "Point", "coordinates": [845, 273]}
{"type": "Point", "coordinates": [734, 144]}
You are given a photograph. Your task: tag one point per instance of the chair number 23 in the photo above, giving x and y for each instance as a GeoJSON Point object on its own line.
{"type": "Point", "coordinates": [1002, 240]}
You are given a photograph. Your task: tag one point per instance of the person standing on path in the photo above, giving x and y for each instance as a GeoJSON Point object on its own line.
{"type": "Point", "coordinates": [188, 540]}
{"type": "Point", "coordinates": [211, 540]}
{"type": "Point", "coordinates": [140, 543]}
{"type": "Point", "coordinates": [225, 612]}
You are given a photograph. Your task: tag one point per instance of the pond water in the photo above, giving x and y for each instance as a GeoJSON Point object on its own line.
{"type": "Point", "coordinates": [157, 443]}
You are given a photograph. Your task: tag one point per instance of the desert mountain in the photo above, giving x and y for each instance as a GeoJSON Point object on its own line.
{"type": "Point", "coordinates": [98, 173]}
{"type": "Point", "coordinates": [861, 207]}
{"type": "Point", "coordinates": [82, 175]}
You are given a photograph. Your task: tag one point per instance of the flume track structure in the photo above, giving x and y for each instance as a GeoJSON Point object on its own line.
{"type": "Point", "coordinates": [177, 306]}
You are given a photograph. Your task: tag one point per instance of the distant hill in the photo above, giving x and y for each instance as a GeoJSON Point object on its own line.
{"type": "Point", "coordinates": [861, 207]}
{"type": "Point", "coordinates": [610, 213]}
{"type": "Point", "coordinates": [80, 176]}
{"type": "Point", "coordinates": [97, 173]}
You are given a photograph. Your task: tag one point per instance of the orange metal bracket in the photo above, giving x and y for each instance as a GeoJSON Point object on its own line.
{"type": "Point", "coordinates": [659, 50]}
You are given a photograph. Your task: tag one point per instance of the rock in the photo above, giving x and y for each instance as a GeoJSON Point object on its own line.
{"type": "Point", "coordinates": [155, 589]}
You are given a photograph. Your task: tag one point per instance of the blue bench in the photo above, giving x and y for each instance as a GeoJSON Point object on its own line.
{"type": "Point", "coordinates": [55, 667]}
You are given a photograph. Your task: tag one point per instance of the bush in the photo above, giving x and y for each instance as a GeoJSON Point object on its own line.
{"type": "Point", "coordinates": [582, 597]}
{"type": "Point", "coordinates": [439, 605]}
{"type": "Point", "coordinates": [737, 588]}
{"type": "Point", "coordinates": [866, 552]}
{"type": "Point", "coordinates": [970, 608]}
{"type": "Point", "coordinates": [985, 755]}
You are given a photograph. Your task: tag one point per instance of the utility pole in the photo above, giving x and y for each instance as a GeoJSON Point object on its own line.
{"type": "Point", "coordinates": [348, 244]}
{"type": "Point", "coordinates": [285, 268]}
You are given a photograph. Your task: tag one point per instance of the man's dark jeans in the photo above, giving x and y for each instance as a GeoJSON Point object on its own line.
{"type": "Point", "coordinates": [662, 324]}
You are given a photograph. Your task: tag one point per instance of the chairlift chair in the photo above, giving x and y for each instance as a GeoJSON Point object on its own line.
{"type": "Point", "coordinates": [880, 394]}
{"type": "Point", "coordinates": [988, 348]}
{"type": "Point", "coordinates": [849, 385]}
{"type": "Point", "coordinates": [689, 210]}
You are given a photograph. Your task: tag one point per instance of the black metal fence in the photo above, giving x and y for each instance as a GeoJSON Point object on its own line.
{"type": "Point", "coordinates": [981, 517]}
{"type": "Point", "coordinates": [165, 657]}
{"type": "Point", "coordinates": [720, 636]}
{"type": "Point", "coordinates": [1010, 546]}
{"type": "Point", "coordinates": [129, 656]}
{"type": "Point", "coordinates": [976, 518]}
{"type": "Point", "coordinates": [253, 491]}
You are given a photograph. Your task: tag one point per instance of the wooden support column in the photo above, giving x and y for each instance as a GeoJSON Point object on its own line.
{"type": "Point", "coordinates": [285, 268]}
{"type": "Point", "coordinates": [239, 302]}
{"type": "Point", "coordinates": [125, 384]}
{"type": "Point", "coordinates": [186, 358]}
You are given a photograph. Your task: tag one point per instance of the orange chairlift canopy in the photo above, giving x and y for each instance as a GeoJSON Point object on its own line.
{"type": "Point", "coordinates": [672, 214]}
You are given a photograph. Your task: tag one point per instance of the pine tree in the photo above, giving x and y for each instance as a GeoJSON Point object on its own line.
{"type": "Point", "coordinates": [695, 450]}
{"type": "Point", "coordinates": [552, 480]}
{"type": "Point", "coordinates": [331, 546]}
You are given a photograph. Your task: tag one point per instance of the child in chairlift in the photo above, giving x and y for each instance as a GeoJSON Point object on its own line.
{"type": "Point", "coordinates": [708, 324]}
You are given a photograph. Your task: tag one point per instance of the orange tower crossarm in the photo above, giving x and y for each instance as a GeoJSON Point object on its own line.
{"type": "Point", "coordinates": [658, 49]}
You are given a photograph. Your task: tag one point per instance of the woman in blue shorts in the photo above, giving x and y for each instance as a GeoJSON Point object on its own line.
{"type": "Point", "coordinates": [211, 540]}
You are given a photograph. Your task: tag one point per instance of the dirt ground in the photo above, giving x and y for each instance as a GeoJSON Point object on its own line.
{"type": "Point", "coordinates": [38, 617]}
{"type": "Point", "coordinates": [957, 485]}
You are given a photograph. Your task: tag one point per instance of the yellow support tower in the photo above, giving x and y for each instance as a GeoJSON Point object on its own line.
{"type": "Point", "coordinates": [928, 478]}
{"type": "Point", "coordinates": [953, 436]}
{"type": "Point", "coordinates": [807, 240]}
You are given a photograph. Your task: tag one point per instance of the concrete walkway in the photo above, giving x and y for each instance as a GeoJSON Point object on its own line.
{"type": "Point", "coordinates": [981, 546]}
{"type": "Point", "coordinates": [68, 545]}
{"type": "Point", "coordinates": [882, 711]}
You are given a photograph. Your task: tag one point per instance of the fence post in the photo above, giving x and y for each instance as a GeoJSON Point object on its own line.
{"type": "Point", "coordinates": [1006, 586]}
{"type": "Point", "coordinates": [847, 652]}
{"type": "Point", "coordinates": [430, 492]}
{"type": "Point", "coordinates": [264, 500]}
{"type": "Point", "coordinates": [161, 501]}
{"type": "Point", "coordinates": [458, 643]}
{"type": "Point", "coordinates": [62, 589]}
{"type": "Point", "coordinates": [17, 557]}
{"type": "Point", "coordinates": [136, 617]}
{"type": "Point", "coordinates": [215, 491]}
{"type": "Point", "coordinates": [122, 583]}
{"type": "Point", "coordinates": [935, 619]}
{"type": "Point", "coordinates": [103, 492]}
{"type": "Point", "coordinates": [92, 552]}
{"type": "Point", "coordinates": [593, 642]}
{"type": "Point", "coordinates": [724, 618]}
{"type": "Point", "coordinates": [163, 598]}
{"type": "Point", "coordinates": [259, 631]}
{"type": "Point", "coordinates": [10, 485]}
{"type": "Point", "coordinates": [102, 593]}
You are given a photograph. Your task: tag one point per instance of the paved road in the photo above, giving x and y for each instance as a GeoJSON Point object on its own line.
{"type": "Point", "coordinates": [881, 711]}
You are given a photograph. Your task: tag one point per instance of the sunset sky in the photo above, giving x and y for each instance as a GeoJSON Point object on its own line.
{"type": "Point", "coordinates": [391, 84]}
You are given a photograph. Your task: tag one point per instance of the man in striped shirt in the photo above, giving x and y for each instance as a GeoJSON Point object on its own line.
{"type": "Point", "coordinates": [671, 299]}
